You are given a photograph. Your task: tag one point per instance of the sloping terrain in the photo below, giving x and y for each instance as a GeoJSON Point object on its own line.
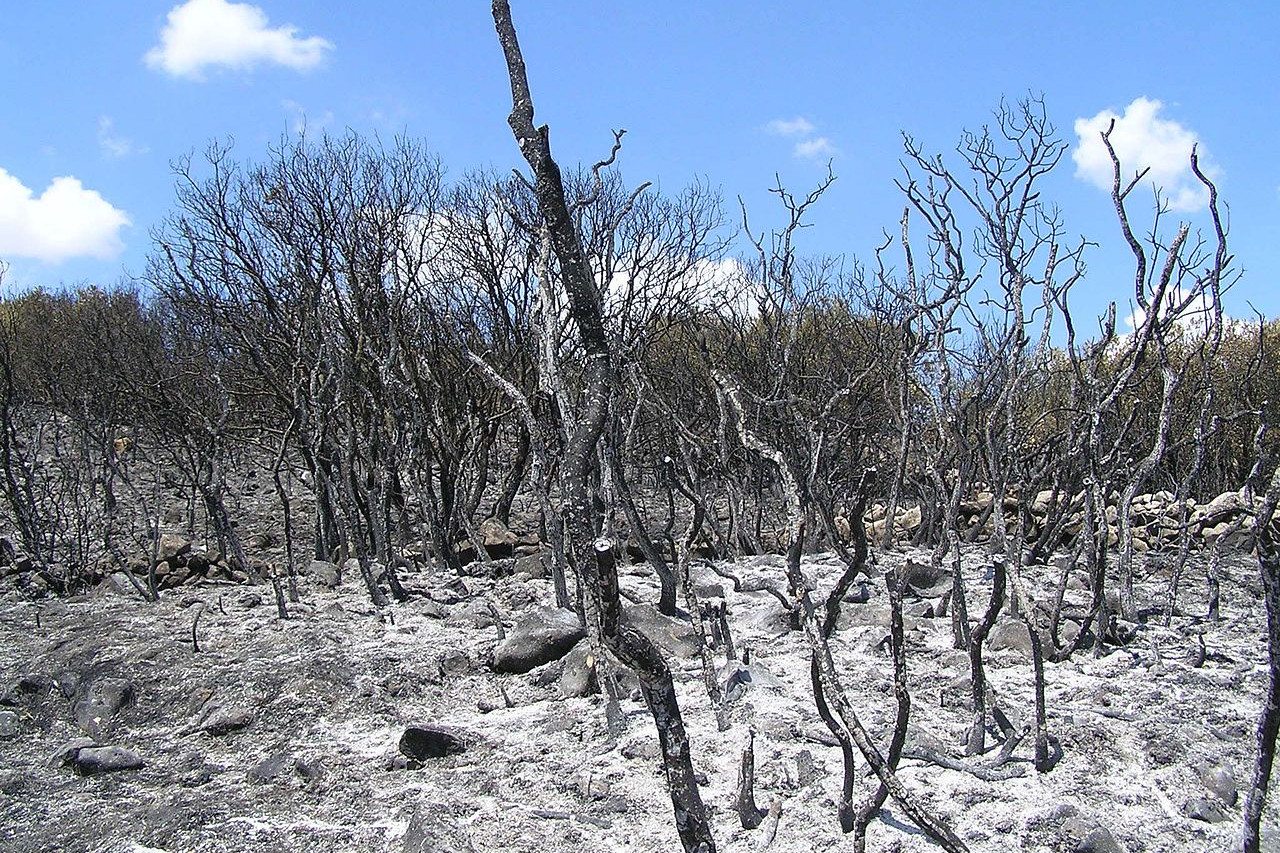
{"type": "Point", "coordinates": [282, 735]}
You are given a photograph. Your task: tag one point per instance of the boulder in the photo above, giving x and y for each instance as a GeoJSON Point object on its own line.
{"type": "Point", "coordinates": [926, 581]}
{"type": "Point", "coordinates": [101, 701]}
{"type": "Point", "coordinates": [577, 678]}
{"type": "Point", "coordinates": [472, 614]}
{"type": "Point", "coordinates": [95, 760]}
{"type": "Point", "coordinates": [426, 741]}
{"type": "Point", "coordinates": [496, 535]}
{"type": "Point", "coordinates": [324, 573]}
{"type": "Point", "coordinates": [1225, 506]}
{"type": "Point", "coordinates": [223, 721]}
{"type": "Point", "coordinates": [1222, 783]}
{"type": "Point", "coordinates": [1010, 635]}
{"type": "Point", "coordinates": [171, 546]}
{"type": "Point", "coordinates": [544, 635]}
{"type": "Point", "coordinates": [674, 636]}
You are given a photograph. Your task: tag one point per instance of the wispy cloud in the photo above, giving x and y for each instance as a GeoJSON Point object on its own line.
{"type": "Point", "coordinates": [300, 120]}
{"type": "Point", "coordinates": [797, 126]}
{"type": "Point", "coordinates": [201, 34]}
{"type": "Point", "coordinates": [113, 145]}
{"type": "Point", "coordinates": [815, 149]}
{"type": "Point", "coordinates": [807, 146]}
{"type": "Point", "coordinates": [1143, 139]}
{"type": "Point", "coordinates": [65, 221]}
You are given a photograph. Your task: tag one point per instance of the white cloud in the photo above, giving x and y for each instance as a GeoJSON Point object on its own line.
{"type": "Point", "coordinates": [200, 34]}
{"type": "Point", "coordinates": [1142, 139]}
{"type": "Point", "coordinates": [112, 144]}
{"type": "Point", "coordinates": [300, 120]}
{"type": "Point", "coordinates": [65, 221]}
{"type": "Point", "coordinates": [789, 127]}
{"type": "Point", "coordinates": [815, 149]}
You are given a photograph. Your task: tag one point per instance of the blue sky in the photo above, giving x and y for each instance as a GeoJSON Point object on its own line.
{"type": "Point", "coordinates": [98, 98]}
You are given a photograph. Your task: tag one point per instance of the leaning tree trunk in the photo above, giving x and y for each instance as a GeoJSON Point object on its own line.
{"type": "Point", "coordinates": [593, 558]}
{"type": "Point", "coordinates": [1269, 724]}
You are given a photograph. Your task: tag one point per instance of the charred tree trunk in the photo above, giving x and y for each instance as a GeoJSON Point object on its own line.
{"type": "Point", "coordinates": [594, 558]}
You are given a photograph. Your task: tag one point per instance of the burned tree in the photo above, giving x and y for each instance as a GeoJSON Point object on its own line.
{"type": "Point", "coordinates": [593, 558]}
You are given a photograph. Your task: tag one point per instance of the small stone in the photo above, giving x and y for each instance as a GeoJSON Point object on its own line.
{"type": "Point", "coordinates": [249, 600]}
{"type": "Point", "coordinates": [66, 754]}
{"type": "Point", "coordinates": [102, 700]}
{"type": "Point", "coordinates": [642, 748]}
{"type": "Point", "coordinates": [93, 760]}
{"type": "Point", "coordinates": [455, 662]}
{"type": "Point", "coordinates": [1205, 809]}
{"type": "Point", "coordinates": [1010, 635]}
{"type": "Point", "coordinates": [271, 769]}
{"type": "Point", "coordinates": [324, 573]}
{"type": "Point", "coordinates": [224, 721]}
{"type": "Point", "coordinates": [171, 546]}
{"type": "Point", "coordinates": [1222, 782]}
{"type": "Point", "coordinates": [426, 741]}
{"type": "Point", "coordinates": [8, 725]}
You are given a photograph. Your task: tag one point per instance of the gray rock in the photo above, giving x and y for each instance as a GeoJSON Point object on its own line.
{"type": "Point", "coordinates": [737, 679]}
{"type": "Point", "coordinates": [926, 581]}
{"type": "Point", "coordinates": [223, 721]}
{"type": "Point", "coordinates": [1205, 809]}
{"type": "Point", "coordinates": [471, 614]}
{"type": "Point", "coordinates": [425, 741]}
{"type": "Point", "coordinates": [674, 636]}
{"type": "Point", "coordinates": [1010, 635]}
{"type": "Point", "coordinates": [433, 829]}
{"type": "Point", "coordinates": [536, 565]}
{"type": "Point", "coordinates": [1088, 837]}
{"type": "Point", "coordinates": [101, 701]}
{"type": "Point", "coordinates": [859, 593]}
{"type": "Point", "coordinates": [66, 754]}
{"type": "Point", "coordinates": [270, 769]}
{"type": "Point", "coordinates": [544, 635]}
{"type": "Point", "coordinates": [8, 725]}
{"type": "Point", "coordinates": [172, 546]}
{"type": "Point", "coordinates": [94, 760]}
{"type": "Point", "coordinates": [1222, 782]}
{"type": "Point", "coordinates": [577, 676]}
{"type": "Point", "coordinates": [324, 573]}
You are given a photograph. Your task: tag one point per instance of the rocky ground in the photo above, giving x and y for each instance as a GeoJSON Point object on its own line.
{"type": "Point", "coordinates": [121, 734]}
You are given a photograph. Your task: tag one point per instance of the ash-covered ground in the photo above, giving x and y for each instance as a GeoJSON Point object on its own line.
{"type": "Point", "coordinates": [283, 735]}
